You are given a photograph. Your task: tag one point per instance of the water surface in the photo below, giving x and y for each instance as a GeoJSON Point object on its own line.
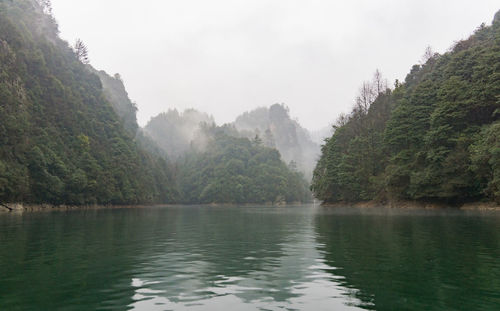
{"type": "Point", "coordinates": [250, 258]}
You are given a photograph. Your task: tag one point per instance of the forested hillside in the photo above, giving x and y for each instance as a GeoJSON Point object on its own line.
{"type": "Point", "coordinates": [219, 164]}
{"type": "Point", "coordinates": [231, 169]}
{"type": "Point", "coordinates": [60, 139]}
{"type": "Point", "coordinates": [69, 135]}
{"type": "Point", "coordinates": [435, 137]}
{"type": "Point", "coordinates": [277, 130]}
{"type": "Point", "coordinates": [117, 96]}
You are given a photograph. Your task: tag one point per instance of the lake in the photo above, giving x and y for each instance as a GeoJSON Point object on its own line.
{"type": "Point", "coordinates": [250, 258]}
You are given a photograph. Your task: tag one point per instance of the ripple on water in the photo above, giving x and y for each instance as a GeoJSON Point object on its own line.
{"type": "Point", "coordinates": [203, 258]}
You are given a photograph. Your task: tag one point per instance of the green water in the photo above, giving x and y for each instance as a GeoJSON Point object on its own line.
{"type": "Point", "coordinates": [250, 258]}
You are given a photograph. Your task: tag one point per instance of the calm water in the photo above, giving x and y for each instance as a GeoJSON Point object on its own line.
{"type": "Point", "coordinates": [228, 258]}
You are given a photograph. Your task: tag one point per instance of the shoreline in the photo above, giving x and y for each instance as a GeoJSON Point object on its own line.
{"type": "Point", "coordinates": [470, 206]}
{"type": "Point", "coordinates": [21, 207]}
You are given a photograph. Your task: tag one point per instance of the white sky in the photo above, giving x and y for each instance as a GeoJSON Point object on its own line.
{"type": "Point", "coordinates": [225, 57]}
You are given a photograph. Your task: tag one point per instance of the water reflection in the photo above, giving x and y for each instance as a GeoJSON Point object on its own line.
{"type": "Point", "coordinates": [415, 260]}
{"type": "Point", "coordinates": [243, 259]}
{"type": "Point", "coordinates": [249, 258]}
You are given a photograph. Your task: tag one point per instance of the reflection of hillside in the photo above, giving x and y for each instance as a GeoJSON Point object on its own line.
{"type": "Point", "coordinates": [55, 260]}
{"type": "Point", "coordinates": [219, 248]}
{"type": "Point", "coordinates": [263, 257]}
{"type": "Point", "coordinates": [426, 261]}
{"type": "Point", "coordinates": [197, 258]}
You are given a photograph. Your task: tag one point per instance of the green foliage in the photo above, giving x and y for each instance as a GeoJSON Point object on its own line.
{"type": "Point", "coordinates": [115, 93]}
{"type": "Point", "coordinates": [433, 138]}
{"type": "Point", "coordinates": [237, 170]}
{"type": "Point", "coordinates": [60, 139]}
{"type": "Point", "coordinates": [486, 161]}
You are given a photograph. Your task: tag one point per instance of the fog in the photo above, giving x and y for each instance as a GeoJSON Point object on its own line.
{"type": "Point", "coordinates": [224, 57]}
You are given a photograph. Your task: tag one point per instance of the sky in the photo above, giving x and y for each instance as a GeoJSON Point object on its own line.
{"type": "Point", "coordinates": [225, 57]}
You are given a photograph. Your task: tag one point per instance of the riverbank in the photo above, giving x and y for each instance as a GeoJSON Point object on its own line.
{"type": "Point", "coordinates": [474, 206]}
{"type": "Point", "coordinates": [20, 207]}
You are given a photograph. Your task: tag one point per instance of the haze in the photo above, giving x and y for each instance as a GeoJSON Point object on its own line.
{"type": "Point", "coordinates": [225, 57]}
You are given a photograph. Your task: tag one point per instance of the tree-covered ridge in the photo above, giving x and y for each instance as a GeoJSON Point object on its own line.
{"type": "Point", "coordinates": [277, 130]}
{"type": "Point", "coordinates": [237, 170]}
{"type": "Point", "coordinates": [219, 164]}
{"type": "Point", "coordinates": [117, 96]}
{"type": "Point", "coordinates": [60, 140]}
{"type": "Point", "coordinates": [435, 137]}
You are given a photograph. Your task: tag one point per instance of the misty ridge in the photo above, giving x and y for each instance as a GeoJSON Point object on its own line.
{"type": "Point", "coordinates": [179, 133]}
{"type": "Point", "coordinates": [176, 133]}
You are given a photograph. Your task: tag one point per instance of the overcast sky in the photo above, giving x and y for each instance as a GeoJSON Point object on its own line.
{"type": "Point", "coordinates": [225, 57]}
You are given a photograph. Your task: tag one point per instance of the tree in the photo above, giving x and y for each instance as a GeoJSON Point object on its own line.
{"type": "Point", "coordinates": [428, 55]}
{"type": "Point", "coordinates": [46, 6]}
{"type": "Point", "coordinates": [81, 51]}
{"type": "Point", "coordinates": [257, 140]}
{"type": "Point", "coordinates": [379, 83]}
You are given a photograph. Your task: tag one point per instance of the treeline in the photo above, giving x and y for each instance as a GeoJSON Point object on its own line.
{"type": "Point", "coordinates": [60, 139]}
{"type": "Point", "coordinates": [435, 137]}
{"type": "Point", "coordinates": [232, 169]}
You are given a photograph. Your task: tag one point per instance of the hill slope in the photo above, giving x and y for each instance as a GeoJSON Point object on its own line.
{"type": "Point", "coordinates": [60, 139]}
{"type": "Point", "coordinates": [277, 130]}
{"type": "Point", "coordinates": [435, 137]}
{"type": "Point", "coordinates": [232, 169]}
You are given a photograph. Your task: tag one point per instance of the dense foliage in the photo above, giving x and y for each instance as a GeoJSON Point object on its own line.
{"type": "Point", "coordinates": [237, 170]}
{"type": "Point", "coordinates": [60, 139]}
{"type": "Point", "coordinates": [435, 137]}
{"type": "Point", "coordinates": [117, 96]}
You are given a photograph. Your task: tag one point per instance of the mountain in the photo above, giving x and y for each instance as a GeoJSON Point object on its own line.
{"type": "Point", "coordinates": [433, 138]}
{"type": "Point", "coordinates": [219, 164]}
{"type": "Point", "coordinates": [277, 130]}
{"type": "Point", "coordinates": [232, 169]}
{"type": "Point", "coordinates": [61, 140]}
